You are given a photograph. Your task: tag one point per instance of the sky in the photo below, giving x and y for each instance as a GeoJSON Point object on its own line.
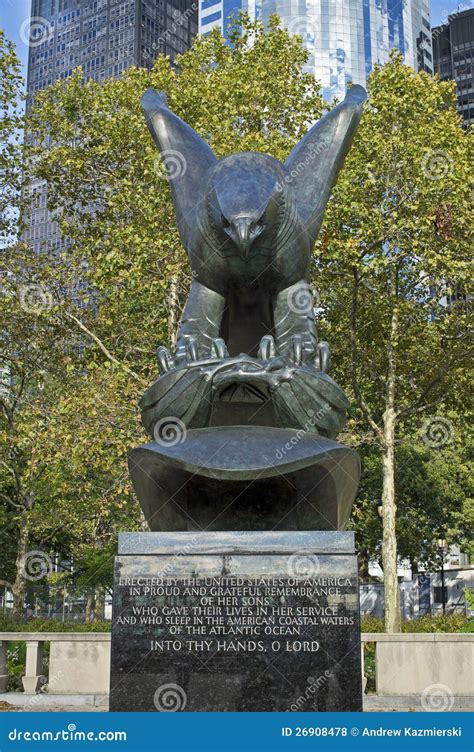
{"type": "Point", "coordinates": [15, 13]}
{"type": "Point", "coordinates": [441, 9]}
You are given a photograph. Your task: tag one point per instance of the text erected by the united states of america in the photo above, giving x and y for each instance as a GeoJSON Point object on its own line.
{"type": "Point", "coordinates": [235, 614]}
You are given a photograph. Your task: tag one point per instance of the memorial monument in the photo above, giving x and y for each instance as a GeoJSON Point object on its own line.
{"type": "Point", "coordinates": [244, 595]}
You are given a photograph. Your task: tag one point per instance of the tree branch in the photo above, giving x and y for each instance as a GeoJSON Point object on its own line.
{"type": "Point", "coordinates": [99, 344]}
{"type": "Point", "coordinates": [14, 473]}
{"type": "Point", "coordinates": [418, 405]}
{"type": "Point", "coordinates": [9, 501]}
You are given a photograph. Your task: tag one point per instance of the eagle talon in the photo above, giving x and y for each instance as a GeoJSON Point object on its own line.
{"type": "Point", "coordinates": [323, 357]}
{"type": "Point", "coordinates": [267, 348]}
{"type": "Point", "coordinates": [165, 360]}
{"type": "Point", "coordinates": [219, 349]}
{"type": "Point", "coordinates": [297, 349]}
{"type": "Point", "coordinates": [192, 350]}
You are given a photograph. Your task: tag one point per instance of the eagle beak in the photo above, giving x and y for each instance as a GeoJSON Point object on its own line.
{"type": "Point", "coordinates": [241, 228]}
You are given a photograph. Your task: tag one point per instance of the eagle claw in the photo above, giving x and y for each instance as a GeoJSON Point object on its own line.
{"type": "Point", "coordinates": [323, 357]}
{"type": "Point", "coordinates": [299, 352]}
{"type": "Point", "coordinates": [267, 348]}
{"type": "Point", "coordinates": [191, 354]}
{"type": "Point", "coordinates": [165, 360]}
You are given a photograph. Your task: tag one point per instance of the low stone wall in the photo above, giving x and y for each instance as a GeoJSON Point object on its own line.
{"type": "Point", "coordinates": [437, 666]}
{"type": "Point", "coordinates": [79, 662]}
{"type": "Point", "coordinates": [417, 663]}
{"type": "Point", "coordinates": [81, 667]}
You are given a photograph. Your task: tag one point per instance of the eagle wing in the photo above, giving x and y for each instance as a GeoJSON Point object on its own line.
{"type": "Point", "coordinates": [313, 165]}
{"type": "Point", "coordinates": [186, 157]}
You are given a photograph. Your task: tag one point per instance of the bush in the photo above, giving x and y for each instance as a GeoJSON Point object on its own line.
{"type": "Point", "coordinates": [372, 624]}
{"type": "Point", "coordinates": [441, 623]}
{"type": "Point", "coordinates": [52, 625]}
{"type": "Point", "coordinates": [16, 658]}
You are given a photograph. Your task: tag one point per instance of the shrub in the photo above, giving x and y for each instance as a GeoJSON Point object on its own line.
{"type": "Point", "coordinates": [439, 623]}
{"type": "Point", "coordinates": [52, 625]}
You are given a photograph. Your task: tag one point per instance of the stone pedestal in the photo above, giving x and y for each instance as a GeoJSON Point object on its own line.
{"type": "Point", "coordinates": [33, 678]}
{"type": "Point", "coordinates": [232, 621]}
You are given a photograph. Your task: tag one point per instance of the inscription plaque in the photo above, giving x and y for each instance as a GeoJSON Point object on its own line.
{"type": "Point", "coordinates": [229, 630]}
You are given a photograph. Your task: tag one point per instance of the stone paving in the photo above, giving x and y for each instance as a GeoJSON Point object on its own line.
{"type": "Point", "coordinates": [78, 704]}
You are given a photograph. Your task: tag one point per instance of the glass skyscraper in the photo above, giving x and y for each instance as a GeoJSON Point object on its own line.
{"type": "Point", "coordinates": [453, 49]}
{"type": "Point", "coordinates": [104, 37]}
{"type": "Point", "coordinates": [216, 13]}
{"type": "Point", "coordinates": [345, 38]}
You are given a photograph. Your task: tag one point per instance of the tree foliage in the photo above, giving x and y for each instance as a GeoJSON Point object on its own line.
{"type": "Point", "coordinates": [394, 258]}
{"type": "Point", "coordinates": [83, 322]}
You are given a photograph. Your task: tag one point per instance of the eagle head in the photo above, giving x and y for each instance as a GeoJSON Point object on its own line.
{"type": "Point", "coordinates": [244, 199]}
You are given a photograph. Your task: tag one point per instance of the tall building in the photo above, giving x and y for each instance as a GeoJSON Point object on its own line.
{"type": "Point", "coordinates": [104, 37]}
{"type": "Point", "coordinates": [453, 52]}
{"type": "Point", "coordinates": [216, 14]}
{"type": "Point", "coordinates": [345, 38]}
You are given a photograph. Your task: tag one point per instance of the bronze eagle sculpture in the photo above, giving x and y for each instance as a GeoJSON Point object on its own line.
{"type": "Point", "coordinates": [247, 334]}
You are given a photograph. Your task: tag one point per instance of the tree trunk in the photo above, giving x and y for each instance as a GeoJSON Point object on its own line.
{"type": "Point", "coordinates": [19, 585]}
{"type": "Point", "coordinates": [389, 540]}
{"type": "Point", "coordinates": [363, 566]}
{"type": "Point", "coordinates": [89, 606]}
{"type": "Point", "coordinates": [99, 614]}
{"type": "Point", "coordinates": [173, 309]}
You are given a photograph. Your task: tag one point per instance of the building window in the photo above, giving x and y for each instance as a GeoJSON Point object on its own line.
{"type": "Point", "coordinates": [438, 595]}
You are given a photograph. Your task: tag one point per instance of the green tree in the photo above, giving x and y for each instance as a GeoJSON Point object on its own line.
{"type": "Point", "coordinates": [249, 96]}
{"type": "Point", "coordinates": [104, 302]}
{"type": "Point", "coordinates": [11, 122]}
{"type": "Point", "coordinates": [13, 496]}
{"type": "Point", "coordinates": [394, 244]}
{"type": "Point", "coordinates": [50, 500]}
{"type": "Point", "coordinates": [392, 262]}
{"type": "Point", "coordinates": [434, 496]}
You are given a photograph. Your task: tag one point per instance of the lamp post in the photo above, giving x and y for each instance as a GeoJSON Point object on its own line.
{"type": "Point", "coordinates": [442, 546]}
